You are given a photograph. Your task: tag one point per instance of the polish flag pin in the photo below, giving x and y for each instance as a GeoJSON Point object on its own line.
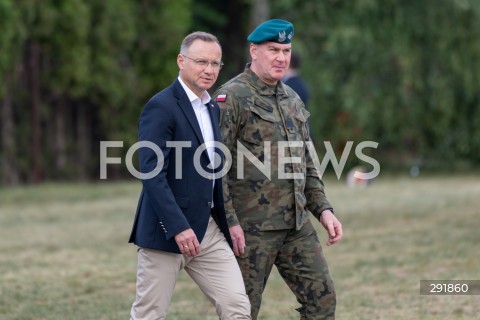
{"type": "Point", "coordinates": [221, 98]}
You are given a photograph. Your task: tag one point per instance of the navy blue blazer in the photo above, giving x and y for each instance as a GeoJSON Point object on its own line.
{"type": "Point", "coordinates": [170, 204]}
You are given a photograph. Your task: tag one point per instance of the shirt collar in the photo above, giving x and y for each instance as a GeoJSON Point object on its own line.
{"type": "Point", "coordinates": [194, 99]}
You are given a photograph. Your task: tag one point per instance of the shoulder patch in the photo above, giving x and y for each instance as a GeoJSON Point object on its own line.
{"type": "Point", "coordinates": [221, 98]}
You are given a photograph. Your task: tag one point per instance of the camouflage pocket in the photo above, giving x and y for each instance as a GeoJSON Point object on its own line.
{"type": "Point", "coordinates": [260, 125]}
{"type": "Point", "coordinates": [302, 120]}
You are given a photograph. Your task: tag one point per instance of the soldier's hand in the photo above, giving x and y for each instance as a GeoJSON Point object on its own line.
{"type": "Point", "coordinates": [187, 243]}
{"type": "Point", "coordinates": [332, 225]}
{"type": "Point", "coordinates": [238, 239]}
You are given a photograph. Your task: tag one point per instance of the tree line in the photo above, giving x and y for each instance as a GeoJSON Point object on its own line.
{"type": "Point", "coordinates": [76, 72]}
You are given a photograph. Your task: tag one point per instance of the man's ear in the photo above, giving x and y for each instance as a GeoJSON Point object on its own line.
{"type": "Point", "coordinates": [180, 61]}
{"type": "Point", "coordinates": [253, 51]}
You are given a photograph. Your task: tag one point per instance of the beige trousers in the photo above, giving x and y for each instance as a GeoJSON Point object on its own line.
{"type": "Point", "coordinates": [215, 271]}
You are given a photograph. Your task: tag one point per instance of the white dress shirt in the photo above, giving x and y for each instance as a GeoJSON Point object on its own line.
{"type": "Point", "coordinates": [199, 105]}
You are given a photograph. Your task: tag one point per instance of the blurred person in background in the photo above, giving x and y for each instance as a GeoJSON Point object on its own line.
{"type": "Point", "coordinates": [295, 81]}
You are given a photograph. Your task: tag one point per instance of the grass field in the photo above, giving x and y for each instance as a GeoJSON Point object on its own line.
{"type": "Point", "coordinates": [64, 252]}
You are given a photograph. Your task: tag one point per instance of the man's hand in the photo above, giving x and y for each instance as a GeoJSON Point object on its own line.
{"type": "Point", "coordinates": [238, 239]}
{"type": "Point", "coordinates": [332, 225]}
{"type": "Point", "coordinates": [188, 243]}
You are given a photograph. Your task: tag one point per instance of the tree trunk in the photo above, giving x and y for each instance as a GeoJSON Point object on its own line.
{"type": "Point", "coordinates": [84, 142]}
{"type": "Point", "coordinates": [34, 87]}
{"type": "Point", "coordinates": [260, 12]}
{"type": "Point", "coordinates": [60, 150]}
{"type": "Point", "coordinates": [10, 174]}
{"type": "Point", "coordinates": [237, 52]}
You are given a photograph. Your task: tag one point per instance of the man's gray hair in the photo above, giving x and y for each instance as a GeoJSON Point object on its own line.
{"type": "Point", "coordinates": [197, 35]}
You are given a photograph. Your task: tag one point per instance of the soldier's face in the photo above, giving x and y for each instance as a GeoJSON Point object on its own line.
{"type": "Point", "coordinates": [270, 60]}
{"type": "Point", "coordinates": [199, 67]}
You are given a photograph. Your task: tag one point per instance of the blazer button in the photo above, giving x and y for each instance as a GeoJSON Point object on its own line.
{"type": "Point", "coordinates": [209, 203]}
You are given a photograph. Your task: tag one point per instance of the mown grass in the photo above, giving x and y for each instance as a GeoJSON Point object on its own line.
{"type": "Point", "coordinates": [64, 252]}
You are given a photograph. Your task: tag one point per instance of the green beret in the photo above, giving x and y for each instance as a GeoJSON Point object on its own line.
{"type": "Point", "coordinates": [279, 31]}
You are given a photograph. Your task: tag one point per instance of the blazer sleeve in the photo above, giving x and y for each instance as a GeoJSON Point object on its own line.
{"type": "Point", "coordinates": [156, 125]}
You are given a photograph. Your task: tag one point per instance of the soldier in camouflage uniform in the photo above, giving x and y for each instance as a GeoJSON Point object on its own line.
{"type": "Point", "coordinates": [268, 203]}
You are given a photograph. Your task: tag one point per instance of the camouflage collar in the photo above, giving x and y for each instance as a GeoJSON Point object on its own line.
{"type": "Point", "coordinates": [264, 89]}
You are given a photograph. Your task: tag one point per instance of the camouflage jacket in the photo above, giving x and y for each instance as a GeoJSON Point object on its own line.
{"type": "Point", "coordinates": [270, 122]}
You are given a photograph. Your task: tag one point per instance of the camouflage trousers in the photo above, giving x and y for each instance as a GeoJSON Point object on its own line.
{"type": "Point", "coordinates": [299, 258]}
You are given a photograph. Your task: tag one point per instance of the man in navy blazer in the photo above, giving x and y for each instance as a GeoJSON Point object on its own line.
{"type": "Point", "coordinates": [180, 221]}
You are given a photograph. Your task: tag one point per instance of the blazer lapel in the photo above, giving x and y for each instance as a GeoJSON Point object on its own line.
{"type": "Point", "coordinates": [187, 109]}
{"type": "Point", "coordinates": [213, 109]}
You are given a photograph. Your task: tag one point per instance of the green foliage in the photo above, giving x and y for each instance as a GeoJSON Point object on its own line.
{"type": "Point", "coordinates": [10, 37]}
{"type": "Point", "coordinates": [112, 76]}
{"type": "Point", "coordinates": [162, 25]}
{"type": "Point", "coordinates": [402, 73]}
{"type": "Point", "coordinates": [133, 45]}
{"type": "Point", "coordinates": [405, 74]}
{"type": "Point", "coordinates": [108, 57]}
{"type": "Point", "coordinates": [67, 49]}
